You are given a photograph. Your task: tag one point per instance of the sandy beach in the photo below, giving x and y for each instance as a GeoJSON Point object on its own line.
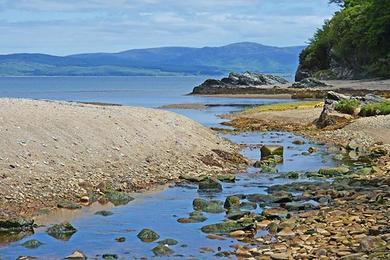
{"type": "Point", "coordinates": [50, 151]}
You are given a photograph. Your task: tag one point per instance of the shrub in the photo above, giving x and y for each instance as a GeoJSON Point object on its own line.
{"type": "Point", "coordinates": [347, 106]}
{"type": "Point", "coordinates": [380, 108]}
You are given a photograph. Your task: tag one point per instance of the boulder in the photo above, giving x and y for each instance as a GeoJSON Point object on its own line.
{"type": "Point", "coordinates": [162, 250]}
{"type": "Point", "coordinates": [68, 205]}
{"type": "Point", "coordinates": [77, 255]}
{"type": "Point", "coordinates": [209, 206]}
{"type": "Point", "coordinates": [334, 171]}
{"type": "Point", "coordinates": [229, 226]}
{"type": "Point", "coordinates": [210, 185]}
{"type": "Point", "coordinates": [148, 235]}
{"type": "Point", "coordinates": [63, 231]}
{"type": "Point", "coordinates": [104, 213]}
{"type": "Point", "coordinates": [270, 150]}
{"type": "Point", "coordinates": [32, 244]}
{"type": "Point", "coordinates": [118, 198]}
{"type": "Point", "coordinates": [168, 241]}
{"type": "Point", "coordinates": [16, 225]}
{"type": "Point", "coordinates": [309, 83]}
{"type": "Point", "coordinates": [232, 202]}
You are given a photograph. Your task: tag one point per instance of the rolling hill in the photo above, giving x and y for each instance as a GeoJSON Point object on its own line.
{"type": "Point", "coordinates": [237, 57]}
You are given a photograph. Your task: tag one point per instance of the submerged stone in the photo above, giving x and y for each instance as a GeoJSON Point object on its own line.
{"type": "Point", "coordinates": [118, 198]}
{"type": "Point", "coordinates": [63, 231]}
{"type": "Point", "coordinates": [104, 213]}
{"type": "Point", "coordinates": [229, 226]}
{"type": "Point", "coordinates": [162, 250]}
{"type": "Point", "coordinates": [333, 171]}
{"type": "Point", "coordinates": [168, 241]}
{"type": "Point", "coordinates": [68, 205]}
{"type": "Point", "coordinates": [210, 185]}
{"type": "Point", "coordinates": [227, 178]}
{"type": "Point", "coordinates": [148, 235]}
{"type": "Point", "coordinates": [32, 244]}
{"type": "Point", "coordinates": [109, 256]}
{"type": "Point", "coordinates": [209, 206]}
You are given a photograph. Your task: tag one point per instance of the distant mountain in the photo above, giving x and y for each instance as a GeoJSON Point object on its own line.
{"type": "Point", "coordinates": [238, 57]}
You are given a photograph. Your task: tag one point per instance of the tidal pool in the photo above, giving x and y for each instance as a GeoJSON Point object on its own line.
{"type": "Point", "coordinates": [159, 210]}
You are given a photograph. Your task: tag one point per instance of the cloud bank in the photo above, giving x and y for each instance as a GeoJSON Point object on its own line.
{"type": "Point", "coordinates": [73, 26]}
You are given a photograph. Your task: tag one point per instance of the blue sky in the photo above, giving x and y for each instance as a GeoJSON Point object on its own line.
{"type": "Point", "coordinates": [75, 26]}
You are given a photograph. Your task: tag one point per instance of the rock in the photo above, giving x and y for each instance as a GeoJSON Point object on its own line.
{"type": "Point", "coordinates": [334, 171]}
{"type": "Point", "coordinates": [118, 198]}
{"type": "Point", "coordinates": [232, 202]}
{"type": "Point", "coordinates": [209, 206]}
{"type": "Point", "coordinates": [329, 116]}
{"type": "Point", "coordinates": [168, 241]}
{"type": "Point", "coordinates": [298, 205]}
{"type": "Point", "coordinates": [16, 225]}
{"type": "Point", "coordinates": [286, 232]}
{"type": "Point", "coordinates": [85, 199]}
{"type": "Point", "coordinates": [191, 178]}
{"type": "Point", "coordinates": [148, 235]}
{"type": "Point", "coordinates": [248, 205]}
{"type": "Point", "coordinates": [292, 175]}
{"type": "Point", "coordinates": [269, 150]}
{"type": "Point", "coordinates": [63, 231]}
{"type": "Point", "coordinates": [275, 213]}
{"type": "Point", "coordinates": [298, 142]}
{"type": "Point", "coordinates": [312, 149]}
{"type": "Point", "coordinates": [104, 213]}
{"type": "Point", "coordinates": [162, 250]}
{"type": "Point", "coordinates": [26, 258]}
{"type": "Point", "coordinates": [237, 82]}
{"type": "Point", "coordinates": [237, 233]}
{"type": "Point", "coordinates": [120, 239]}
{"type": "Point", "coordinates": [309, 83]}
{"type": "Point", "coordinates": [109, 256]}
{"type": "Point", "coordinates": [280, 256]}
{"type": "Point", "coordinates": [68, 205]}
{"type": "Point", "coordinates": [229, 226]}
{"type": "Point", "coordinates": [32, 244]}
{"type": "Point", "coordinates": [77, 255]}
{"type": "Point", "coordinates": [210, 185]}
{"type": "Point", "coordinates": [230, 178]}
{"type": "Point", "coordinates": [371, 243]}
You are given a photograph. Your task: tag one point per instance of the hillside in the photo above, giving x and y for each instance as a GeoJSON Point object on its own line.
{"type": "Point", "coordinates": [354, 44]}
{"type": "Point", "coordinates": [237, 57]}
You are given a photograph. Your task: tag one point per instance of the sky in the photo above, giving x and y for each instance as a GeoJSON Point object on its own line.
{"type": "Point", "coordinates": [63, 27]}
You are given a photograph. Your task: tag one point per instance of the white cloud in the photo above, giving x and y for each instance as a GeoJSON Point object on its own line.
{"type": "Point", "coordinates": [70, 26]}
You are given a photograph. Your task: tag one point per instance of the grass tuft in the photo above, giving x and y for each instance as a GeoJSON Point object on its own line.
{"type": "Point", "coordinates": [284, 106]}
{"type": "Point", "coordinates": [381, 108]}
{"type": "Point", "coordinates": [347, 106]}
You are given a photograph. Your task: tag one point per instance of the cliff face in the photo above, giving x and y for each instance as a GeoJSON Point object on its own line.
{"type": "Point", "coordinates": [354, 44]}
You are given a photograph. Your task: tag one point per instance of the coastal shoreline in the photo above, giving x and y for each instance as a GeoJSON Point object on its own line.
{"type": "Point", "coordinates": [54, 151]}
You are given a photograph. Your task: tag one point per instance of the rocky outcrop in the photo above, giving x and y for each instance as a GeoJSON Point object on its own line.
{"type": "Point", "coordinates": [309, 83]}
{"type": "Point", "coordinates": [331, 116]}
{"type": "Point", "coordinates": [237, 82]}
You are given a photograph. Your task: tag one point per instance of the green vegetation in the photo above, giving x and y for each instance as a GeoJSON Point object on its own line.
{"type": "Point", "coordinates": [348, 106]}
{"type": "Point", "coordinates": [284, 106]}
{"type": "Point", "coordinates": [381, 108]}
{"type": "Point", "coordinates": [354, 43]}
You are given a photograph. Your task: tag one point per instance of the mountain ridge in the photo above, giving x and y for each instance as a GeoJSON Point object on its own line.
{"type": "Point", "coordinates": [238, 57]}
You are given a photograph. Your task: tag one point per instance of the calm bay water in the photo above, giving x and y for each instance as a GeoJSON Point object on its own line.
{"type": "Point", "coordinates": [157, 210]}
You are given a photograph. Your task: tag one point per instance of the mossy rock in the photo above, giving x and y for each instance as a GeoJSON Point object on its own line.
{"type": "Point", "coordinates": [228, 226]}
{"type": "Point", "coordinates": [275, 213]}
{"type": "Point", "coordinates": [148, 235]}
{"type": "Point", "coordinates": [118, 198]}
{"type": "Point", "coordinates": [16, 225]}
{"type": "Point", "coordinates": [210, 185]}
{"type": "Point", "coordinates": [162, 250]}
{"type": "Point", "coordinates": [32, 244]}
{"type": "Point", "coordinates": [110, 257]}
{"type": "Point", "coordinates": [194, 179]}
{"type": "Point", "coordinates": [63, 231]}
{"type": "Point", "coordinates": [334, 171]}
{"type": "Point", "coordinates": [232, 202]}
{"type": "Point", "coordinates": [66, 204]}
{"type": "Point", "coordinates": [247, 205]}
{"type": "Point", "coordinates": [104, 213]}
{"type": "Point", "coordinates": [268, 150]}
{"type": "Point", "coordinates": [168, 241]}
{"type": "Point", "coordinates": [230, 178]}
{"type": "Point", "coordinates": [195, 217]}
{"type": "Point", "coordinates": [209, 206]}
